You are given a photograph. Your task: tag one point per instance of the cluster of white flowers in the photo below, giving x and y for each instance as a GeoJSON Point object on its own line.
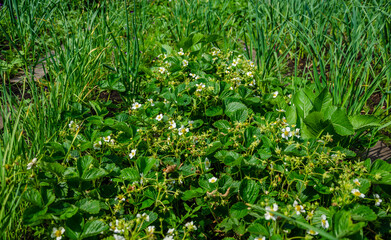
{"type": "Point", "coordinates": [298, 208]}
{"type": "Point", "coordinates": [287, 133]}
{"type": "Point", "coordinates": [162, 70]}
{"type": "Point", "coordinates": [190, 226]}
{"type": "Point", "coordinates": [73, 126]}
{"type": "Point", "coordinates": [377, 200]}
{"type": "Point", "coordinates": [357, 193]}
{"type": "Point", "coordinates": [118, 226]}
{"type": "Point", "coordinates": [324, 222]}
{"type": "Point", "coordinates": [195, 76]}
{"type": "Point", "coordinates": [200, 86]}
{"type": "Point", "coordinates": [151, 101]}
{"type": "Point", "coordinates": [97, 145]}
{"type": "Point", "coordinates": [181, 53]}
{"type": "Point", "coordinates": [215, 51]}
{"type": "Point", "coordinates": [132, 153]}
{"type": "Point", "coordinates": [269, 215]}
{"type": "Point", "coordinates": [32, 164]}
{"type": "Point", "coordinates": [172, 124]}
{"type": "Point", "coordinates": [143, 216]}
{"type": "Point", "coordinates": [170, 234]}
{"type": "Point", "coordinates": [182, 130]}
{"type": "Point", "coordinates": [150, 230]}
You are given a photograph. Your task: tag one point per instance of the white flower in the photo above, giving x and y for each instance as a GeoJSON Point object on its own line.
{"type": "Point", "coordinates": [159, 117]}
{"type": "Point", "coordinates": [377, 199]}
{"type": "Point", "coordinates": [269, 215]}
{"type": "Point", "coordinates": [73, 126]}
{"type": "Point", "coordinates": [57, 233]}
{"type": "Point", "coordinates": [312, 232]}
{"type": "Point", "coordinates": [182, 130]}
{"type": "Point", "coordinates": [151, 229]}
{"type": "Point", "coordinates": [132, 153]}
{"type": "Point", "coordinates": [252, 64]}
{"type": "Point", "coordinates": [235, 62]}
{"type": "Point", "coordinates": [275, 94]}
{"type": "Point", "coordinates": [357, 193]}
{"type": "Point", "coordinates": [190, 226]}
{"type": "Point", "coordinates": [213, 180]}
{"type": "Point", "coordinates": [172, 124]}
{"type": "Point", "coordinates": [280, 110]}
{"type": "Point", "coordinates": [171, 231]}
{"type": "Point", "coordinates": [296, 133]}
{"type": "Point", "coordinates": [207, 163]}
{"type": "Point", "coordinates": [324, 222]}
{"type": "Point", "coordinates": [260, 238]}
{"type": "Point", "coordinates": [143, 216]}
{"type": "Point", "coordinates": [151, 101]}
{"type": "Point", "coordinates": [118, 237]}
{"type": "Point", "coordinates": [357, 182]}
{"type": "Point", "coordinates": [181, 52]}
{"type": "Point", "coordinates": [200, 87]}
{"type": "Point", "coordinates": [190, 122]}
{"type": "Point", "coordinates": [298, 208]}
{"type": "Point", "coordinates": [107, 139]}
{"type": "Point", "coordinates": [115, 227]}
{"type": "Point", "coordinates": [310, 215]}
{"type": "Point", "coordinates": [97, 145]}
{"type": "Point", "coordinates": [249, 74]}
{"type": "Point", "coordinates": [112, 142]}
{"type": "Point", "coordinates": [286, 133]}
{"type": "Point", "coordinates": [32, 163]}
{"type": "Point", "coordinates": [136, 105]}
{"type": "Point", "coordinates": [185, 63]}
{"type": "Point", "coordinates": [162, 70]}
{"type": "Point", "coordinates": [169, 237]}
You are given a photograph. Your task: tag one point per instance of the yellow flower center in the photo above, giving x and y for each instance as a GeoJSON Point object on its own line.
{"type": "Point", "coordinates": [357, 194]}
{"type": "Point", "coordinates": [298, 208]}
{"type": "Point", "coordinates": [58, 233]}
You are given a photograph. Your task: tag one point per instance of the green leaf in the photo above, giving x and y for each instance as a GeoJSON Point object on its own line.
{"type": "Point", "coordinates": [53, 167]}
{"type": "Point", "coordinates": [145, 164]}
{"type": "Point", "coordinates": [214, 111]}
{"type": "Point", "coordinates": [83, 164]}
{"type": "Point", "coordinates": [381, 172]}
{"type": "Point", "coordinates": [215, 146]}
{"type": "Point", "coordinates": [74, 227]}
{"type": "Point", "coordinates": [63, 210]}
{"type": "Point", "coordinates": [362, 213]}
{"type": "Point", "coordinates": [184, 100]}
{"type": "Point", "coordinates": [147, 203]}
{"type": "Point", "coordinates": [229, 158]}
{"type": "Point", "coordinates": [88, 205]}
{"type": "Point", "coordinates": [121, 126]}
{"type": "Point", "coordinates": [302, 103]}
{"type": "Point", "coordinates": [189, 194]}
{"type": "Point", "coordinates": [343, 225]}
{"type": "Point", "coordinates": [33, 196]}
{"type": "Point", "coordinates": [92, 228]}
{"type": "Point", "coordinates": [258, 229]}
{"type": "Point", "coordinates": [249, 190]}
{"type": "Point", "coordinates": [341, 123]}
{"type": "Point", "coordinates": [222, 125]}
{"type": "Point", "coordinates": [238, 210]}
{"type": "Point", "coordinates": [314, 125]}
{"type": "Point", "coordinates": [32, 215]}
{"type": "Point", "coordinates": [362, 122]}
{"type": "Point", "coordinates": [94, 173]}
{"type": "Point", "coordinates": [130, 174]}
{"type": "Point", "coordinates": [233, 107]}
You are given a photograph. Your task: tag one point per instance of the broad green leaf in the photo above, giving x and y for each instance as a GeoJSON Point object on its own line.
{"type": "Point", "coordinates": [302, 103]}
{"type": "Point", "coordinates": [213, 148]}
{"type": "Point", "coordinates": [88, 205]}
{"type": "Point", "coordinates": [84, 163]}
{"type": "Point", "coordinates": [33, 196]}
{"type": "Point", "coordinates": [214, 111]}
{"type": "Point", "coordinates": [238, 210]}
{"type": "Point", "coordinates": [362, 213]}
{"type": "Point", "coordinates": [229, 158]}
{"type": "Point", "coordinates": [341, 123]}
{"type": "Point", "coordinates": [189, 194]}
{"type": "Point", "coordinates": [74, 227]}
{"type": "Point", "coordinates": [249, 190]}
{"type": "Point", "coordinates": [130, 174]}
{"type": "Point", "coordinates": [184, 100]}
{"type": "Point", "coordinates": [94, 173]}
{"type": "Point", "coordinates": [314, 125]}
{"type": "Point", "coordinates": [94, 227]}
{"type": "Point", "coordinates": [343, 225]}
{"type": "Point", "coordinates": [364, 122]}
{"type": "Point", "coordinates": [381, 172]}
{"type": "Point", "coordinates": [63, 210]}
{"type": "Point", "coordinates": [256, 228]}
{"type": "Point", "coordinates": [222, 125]}
{"type": "Point", "coordinates": [147, 203]}
{"type": "Point", "coordinates": [145, 164]}
{"type": "Point", "coordinates": [53, 167]}
{"type": "Point", "coordinates": [233, 107]}
{"type": "Point", "coordinates": [32, 215]}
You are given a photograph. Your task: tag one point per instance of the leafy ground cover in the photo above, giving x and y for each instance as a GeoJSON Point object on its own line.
{"type": "Point", "coordinates": [196, 120]}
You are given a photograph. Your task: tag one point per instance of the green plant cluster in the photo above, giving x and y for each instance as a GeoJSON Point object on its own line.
{"type": "Point", "coordinates": [195, 119]}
